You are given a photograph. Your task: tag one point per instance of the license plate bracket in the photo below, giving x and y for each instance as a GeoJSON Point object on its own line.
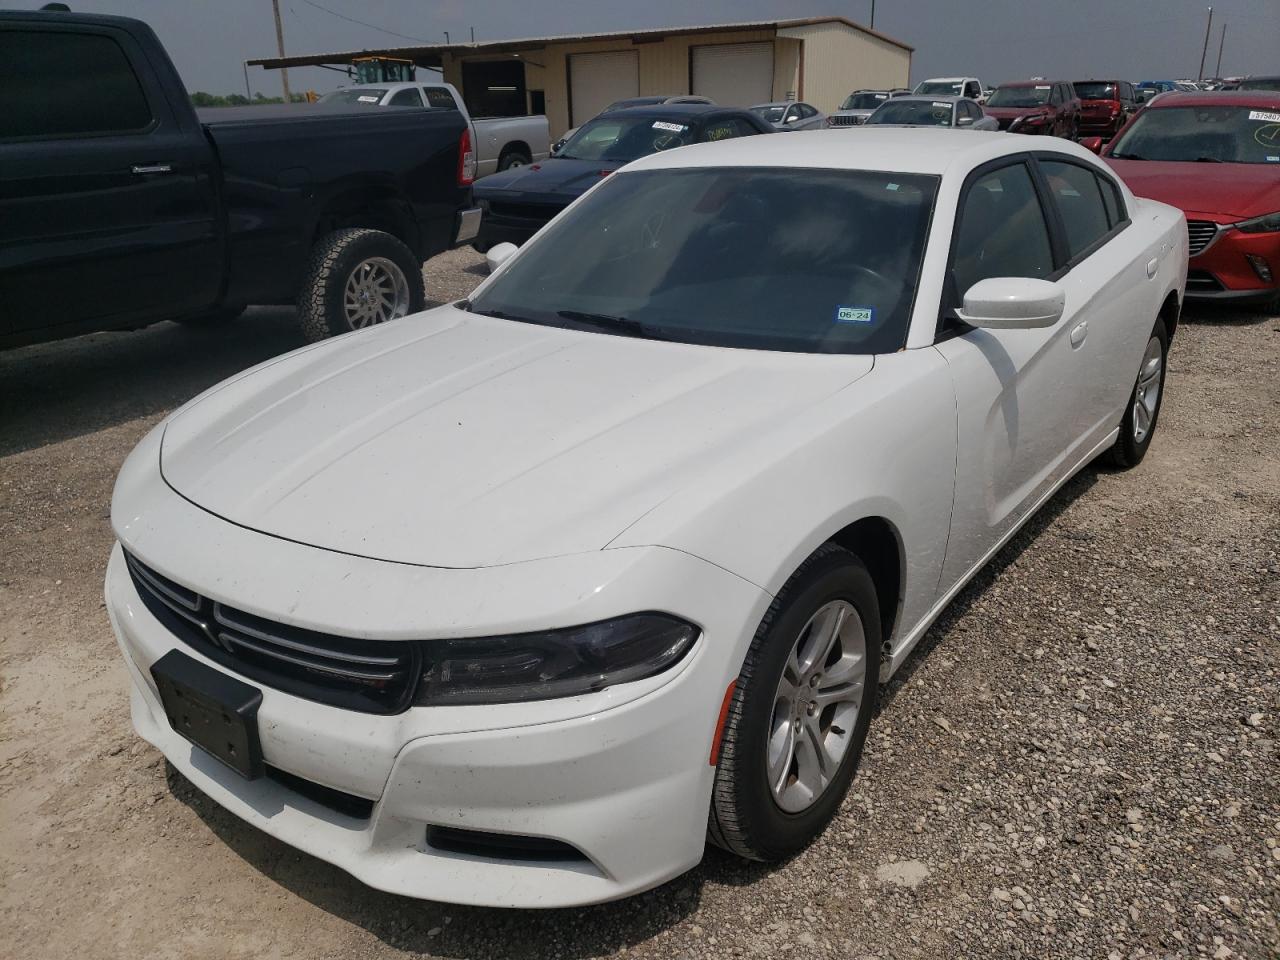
{"type": "Point", "coordinates": [213, 711]}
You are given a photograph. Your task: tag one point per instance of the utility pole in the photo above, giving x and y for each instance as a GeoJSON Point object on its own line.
{"type": "Point", "coordinates": [446, 36]}
{"type": "Point", "coordinates": [284, 74]}
{"type": "Point", "coordinates": [1205, 52]}
{"type": "Point", "coordinates": [1218, 71]}
{"type": "Point", "coordinates": [248, 94]}
{"type": "Point", "coordinates": [873, 14]}
{"type": "Point", "coordinates": [473, 34]}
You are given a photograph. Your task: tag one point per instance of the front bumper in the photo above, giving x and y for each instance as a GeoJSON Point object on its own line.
{"type": "Point", "coordinates": [621, 776]}
{"type": "Point", "coordinates": [1224, 270]}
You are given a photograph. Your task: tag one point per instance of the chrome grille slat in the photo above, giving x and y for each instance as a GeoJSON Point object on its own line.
{"type": "Point", "coordinates": [1200, 233]}
{"type": "Point", "coordinates": [367, 675]}
{"type": "Point", "coordinates": [364, 676]}
{"type": "Point", "coordinates": [223, 620]}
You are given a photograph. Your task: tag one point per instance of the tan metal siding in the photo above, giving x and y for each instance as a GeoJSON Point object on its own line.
{"type": "Point", "coordinates": [839, 59]}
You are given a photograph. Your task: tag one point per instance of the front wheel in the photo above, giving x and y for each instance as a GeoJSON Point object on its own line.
{"type": "Point", "coordinates": [514, 158]}
{"type": "Point", "coordinates": [800, 712]}
{"type": "Point", "coordinates": [1139, 423]}
{"type": "Point", "coordinates": [357, 278]}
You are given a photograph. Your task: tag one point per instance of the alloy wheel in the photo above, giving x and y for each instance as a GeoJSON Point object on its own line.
{"type": "Point", "coordinates": [1146, 395]}
{"type": "Point", "coordinates": [816, 706]}
{"type": "Point", "coordinates": [376, 291]}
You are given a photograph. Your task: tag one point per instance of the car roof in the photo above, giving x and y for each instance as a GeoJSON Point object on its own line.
{"type": "Point", "coordinates": [1216, 98]}
{"type": "Point", "coordinates": [688, 110]}
{"type": "Point", "coordinates": [774, 103]}
{"type": "Point", "coordinates": [1032, 83]}
{"type": "Point", "coordinates": [945, 80]}
{"type": "Point", "coordinates": [929, 98]}
{"type": "Point", "coordinates": [898, 150]}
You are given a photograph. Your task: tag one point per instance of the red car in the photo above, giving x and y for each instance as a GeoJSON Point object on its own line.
{"type": "Point", "coordinates": [1036, 106]}
{"type": "Point", "coordinates": [1105, 105]}
{"type": "Point", "coordinates": [1217, 157]}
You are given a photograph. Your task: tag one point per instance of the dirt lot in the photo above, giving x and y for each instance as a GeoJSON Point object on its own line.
{"type": "Point", "coordinates": [1082, 759]}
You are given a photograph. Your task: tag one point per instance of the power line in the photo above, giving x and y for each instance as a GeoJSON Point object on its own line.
{"type": "Point", "coordinates": [372, 26]}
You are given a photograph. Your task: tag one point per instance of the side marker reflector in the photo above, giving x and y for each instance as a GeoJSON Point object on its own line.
{"type": "Point", "coordinates": [724, 715]}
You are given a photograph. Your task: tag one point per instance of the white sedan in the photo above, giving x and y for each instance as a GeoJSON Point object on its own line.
{"type": "Point", "coordinates": [505, 602]}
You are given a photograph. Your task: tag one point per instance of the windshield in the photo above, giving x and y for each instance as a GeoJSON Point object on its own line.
{"type": "Point", "coordinates": [923, 113]}
{"type": "Point", "coordinates": [863, 101]}
{"type": "Point", "coordinates": [623, 139]}
{"type": "Point", "coordinates": [1036, 96]}
{"type": "Point", "coordinates": [1096, 90]}
{"type": "Point", "coordinates": [941, 88]}
{"type": "Point", "coordinates": [809, 261]}
{"type": "Point", "coordinates": [769, 114]}
{"type": "Point", "coordinates": [367, 95]}
{"type": "Point", "coordinates": [1227, 134]}
{"type": "Point", "coordinates": [1260, 83]}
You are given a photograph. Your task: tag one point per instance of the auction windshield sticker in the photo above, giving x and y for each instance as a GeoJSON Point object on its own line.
{"type": "Point", "coordinates": [368, 99]}
{"type": "Point", "coordinates": [1264, 116]}
{"type": "Point", "coordinates": [663, 125]}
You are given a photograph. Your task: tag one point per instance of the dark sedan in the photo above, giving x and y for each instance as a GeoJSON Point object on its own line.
{"type": "Point", "coordinates": [517, 203]}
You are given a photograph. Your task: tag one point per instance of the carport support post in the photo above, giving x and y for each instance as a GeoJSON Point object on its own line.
{"type": "Point", "coordinates": [284, 73]}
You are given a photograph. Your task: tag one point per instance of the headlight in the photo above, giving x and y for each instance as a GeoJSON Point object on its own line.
{"type": "Point", "coordinates": [1267, 223]}
{"type": "Point", "coordinates": [552, 663]}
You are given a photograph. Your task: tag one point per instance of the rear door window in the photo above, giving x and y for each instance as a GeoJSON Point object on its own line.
{"type": "Point", "coordinates": [1078, 197]}
{"type": "Point", "coordinates": [408, 97]}
{"type": "Point", "coordinates": [43, 93]}
{"type": "Point", "coordinates": [1002, 230]}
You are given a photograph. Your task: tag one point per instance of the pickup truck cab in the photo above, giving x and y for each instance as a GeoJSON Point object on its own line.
{"type": "Point", "coordinates": [500, 142]}
{"type": "Point", "coordinates": [120, 207]}
{"type": "Point", "coordinates": [970, 87]}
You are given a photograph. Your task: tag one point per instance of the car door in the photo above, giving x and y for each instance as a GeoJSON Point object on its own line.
{"type": "Point", "coordinates": [1016, 390]}
{"type": "Point", "coordinates": [1105, 277]}
{"type": "Point", "coordinates": [108, 208]}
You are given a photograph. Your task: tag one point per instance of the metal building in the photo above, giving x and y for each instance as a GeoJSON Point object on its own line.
{"type": "Point", "coordinates": [570, 78]}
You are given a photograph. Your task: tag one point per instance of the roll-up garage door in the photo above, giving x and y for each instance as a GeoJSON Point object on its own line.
{"type": "Point", "coordinates": [598, 79]}
{"type": "Point", "coordinates": [734, 74]}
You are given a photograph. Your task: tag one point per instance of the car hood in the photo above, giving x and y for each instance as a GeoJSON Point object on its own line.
{"type": "Point", "coordinates": [1238, 190]}
{"type": "Point", "coordinates": [453, 440]}
{"type": "Point", "coordinates": [1012, 113]}
{"type": "Point", "coordinates": [552, 178]}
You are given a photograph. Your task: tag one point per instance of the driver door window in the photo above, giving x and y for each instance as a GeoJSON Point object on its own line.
{"type": "Point", "coordinates": [1002, 230]}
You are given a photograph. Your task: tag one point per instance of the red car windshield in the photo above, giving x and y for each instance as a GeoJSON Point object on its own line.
{"type": "Point", "coordinates": [1209, 134]}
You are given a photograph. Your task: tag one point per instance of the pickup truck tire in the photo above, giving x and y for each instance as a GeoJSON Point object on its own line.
{"type": "Point", "coordinates": [514, 158]}
{"type": "Point", "coordinates": [346, 268]}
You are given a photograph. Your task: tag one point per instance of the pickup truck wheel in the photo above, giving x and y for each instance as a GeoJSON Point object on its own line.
{"type": "Point", "coordinates": [357, 278]}
{"type": "Point", "coordinates": [514, 158]}
{"type": "Point", "coordinates": [798, 718]}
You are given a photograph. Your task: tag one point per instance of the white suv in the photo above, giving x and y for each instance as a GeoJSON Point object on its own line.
{"type": "Point", "coordinates": [970, 87]}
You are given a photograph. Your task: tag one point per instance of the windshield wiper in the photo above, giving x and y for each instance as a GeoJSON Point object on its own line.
{"type": "Point", "coordinates": [1209, 160]}
{"type": "Point", "coordinates": [603, 321]}
{"type": "Point", "coordinates": [498, 314]}
{"type": "Point", "coordinates": [1127, 156]}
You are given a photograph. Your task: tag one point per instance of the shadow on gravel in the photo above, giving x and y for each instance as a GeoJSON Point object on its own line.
{"type": "Point", "coordinates": [465, 933]}
{"type": "Point", "coordinates": [940, 632]}
{"type": "Point", "coordinates": [54, 391]}
{"type": "Point", "coordinates": [1224, 315]}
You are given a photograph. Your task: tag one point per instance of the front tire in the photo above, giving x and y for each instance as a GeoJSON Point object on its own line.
{"type": "Point", "coordinates": [800, 712]}
{"type": "Point", "coordinates": [514, 158]}
{"type": "Point", "coordinates": [357, 278]}
{"type": "Point", "coordinates": [1143, 410]}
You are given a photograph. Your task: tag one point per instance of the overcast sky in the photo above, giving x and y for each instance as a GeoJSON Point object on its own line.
{"type": "Point", "coordinates": [995, 40]}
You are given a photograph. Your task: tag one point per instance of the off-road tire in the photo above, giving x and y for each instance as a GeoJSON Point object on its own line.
{"type": "Point", "coordinates": [335, 255]}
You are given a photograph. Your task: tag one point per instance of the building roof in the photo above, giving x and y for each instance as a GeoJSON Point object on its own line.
{"type": "Point", "coordinates": [430, 54]}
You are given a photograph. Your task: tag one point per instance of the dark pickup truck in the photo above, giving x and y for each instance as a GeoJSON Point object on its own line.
{"type": "Point", "coordinates": [120, 207]}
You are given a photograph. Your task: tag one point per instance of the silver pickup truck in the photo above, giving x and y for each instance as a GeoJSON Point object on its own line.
{"type": "Point", "coordinates": [500, 142]}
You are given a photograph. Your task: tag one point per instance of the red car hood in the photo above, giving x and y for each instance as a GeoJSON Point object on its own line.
{"type": "Point", "coordinates": [1009, 113]}
{"type": "Point", "coordinates": [1230, 190]}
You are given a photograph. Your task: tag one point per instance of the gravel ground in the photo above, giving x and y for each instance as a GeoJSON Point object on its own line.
{"type": "Point", "coordinates": [1080, 761]}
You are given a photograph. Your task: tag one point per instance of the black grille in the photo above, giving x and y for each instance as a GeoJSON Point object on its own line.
{"type": "Point", "coordinates": [1200, 234]}
{"type": "Point", "coordinates": [542, 212]}
{"type": "Point", "coordinates": [502, 846]}
{"type": "Point", "coordinates": [370, 676]}
{"type": "Point", "coordinates": [846, 121]}
{"type": "Point", "coordinates": [1202, 281]}
{"type": "Point", "coordinates": [1004, 122]}
{"type": "Point", "coordinates": [347, 804]}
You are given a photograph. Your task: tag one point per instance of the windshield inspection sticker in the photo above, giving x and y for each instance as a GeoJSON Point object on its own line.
{"type": "Point", "coordinates": [944, 106]}
{"type": "Point", "coordinates": [663, 125]}
{"type": "Point", "coordinates": [1045, 87]}
{"type": "Point", "coordinates": [367, 99]}
{"type": "Point", "coordinates": [1264, 116]}
{"type": "Point", "coordinates": [855, 314]}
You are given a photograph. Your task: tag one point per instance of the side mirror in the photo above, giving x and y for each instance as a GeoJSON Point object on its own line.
{"type": "Point", "coordinates": [499, 254]}
{"type": "Point", "coordinates": [1013, 303]}
{"type": "Point", "coordinates": [1092, 144]}
{"type": "Point", "coordinates": [558, 145]}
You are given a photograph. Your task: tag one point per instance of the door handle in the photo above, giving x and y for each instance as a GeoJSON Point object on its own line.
{"type": "Point", "coordinates": [1078, 333]}
{"type": "Point", "coordinates": [1153, 266]}
{"type": "Point", "coordinates": [141, 168]}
